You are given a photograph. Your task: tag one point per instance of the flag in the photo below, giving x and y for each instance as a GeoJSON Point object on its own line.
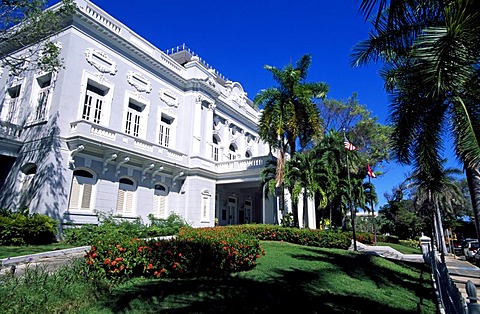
{"type": "Point", "coordinates": [347, 144]}
{"type": "Point", "coordinates": [370, 172]}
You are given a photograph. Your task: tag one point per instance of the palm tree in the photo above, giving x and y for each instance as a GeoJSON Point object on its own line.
{"type": "Point", "coordinates": [304, 174]}
{"type": "Point", "coordinates": [290, 115]}
{"type": "Point", "coordinates": [435, 195]}
{"type": "Point", "coordinates": [431, 51]}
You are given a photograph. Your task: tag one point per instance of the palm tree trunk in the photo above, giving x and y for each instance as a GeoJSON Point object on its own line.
{"type": "Point", "coordinates": [441, 237]}
{"type": "Point", "coordinates": [473, 180]}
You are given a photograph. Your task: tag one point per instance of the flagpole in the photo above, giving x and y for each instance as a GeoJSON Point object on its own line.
{"type": "Point", "coordinates": [352, 214]}
{"type": "Point", "coordinates": [373, 211]}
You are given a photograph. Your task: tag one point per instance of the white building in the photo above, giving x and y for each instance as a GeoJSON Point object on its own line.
{"type": "Point", "coordinates": [130, 130]}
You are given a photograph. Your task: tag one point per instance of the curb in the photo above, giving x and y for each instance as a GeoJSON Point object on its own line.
{"type": "Point", "coordinates": [33, 257]}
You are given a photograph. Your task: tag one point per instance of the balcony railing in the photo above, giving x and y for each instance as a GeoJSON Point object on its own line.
{"type": "Point", "coordinates": [10, 131]}
{"type": "Point", "coordinates": [122, 141]}
{"type": "Point", "coordinates": [241, 165]}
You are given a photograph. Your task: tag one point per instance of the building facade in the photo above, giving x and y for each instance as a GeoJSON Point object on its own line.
{"type": "Point", "coordinates": [130, 130]}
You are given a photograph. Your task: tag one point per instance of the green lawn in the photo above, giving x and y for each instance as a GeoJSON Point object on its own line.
{"type": "Point", "coordinates": [312, 280]}
{"type": "Point", "coordinates": [288, 278]}
{"type": "Point", "coordinates": [12, 251]}
{"type": "Point", "coordinates": [401, 248]}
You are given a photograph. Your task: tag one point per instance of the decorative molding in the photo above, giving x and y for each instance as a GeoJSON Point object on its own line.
{"type": "Point", "coordinates": [106, 159]}
{"type": "Point", "coordinates": [210, 81]}
{"type": "Point", "coordinates": [169, 98]}
{"type": "Point", "coordinates": [100, 61]}
{"type": "Point", "coordinates": [145, 169]}
{"type": "Point", "coordinates": [155, 172]}
{"type": "Point", "coordinates": [140, 82]}
{"type": "Point", "coordinates": [123, 160]}
{"type": "Point", "coordinates": [71, 161]}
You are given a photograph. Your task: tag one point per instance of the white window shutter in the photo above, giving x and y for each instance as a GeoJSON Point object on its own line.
{"type": "Point", "coordinates": [86, 197]}
{"type": "Point", "coordinates": [74, 195]}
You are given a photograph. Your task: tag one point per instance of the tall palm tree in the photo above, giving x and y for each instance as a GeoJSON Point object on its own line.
{"type": "Point", "coordinates": [435, 196]}
{"type": "Point", "coordinates": [431, 51]}
{"type": "Point", "coordinates": [304, 174]}
{"type": "Point", "coordinates": [290, 116]}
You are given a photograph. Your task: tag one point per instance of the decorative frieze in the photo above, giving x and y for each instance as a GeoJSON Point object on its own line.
{"type": "Point", "coordinates": [100, 61]}
{"type": "Point", "coordinates": [140, 82]}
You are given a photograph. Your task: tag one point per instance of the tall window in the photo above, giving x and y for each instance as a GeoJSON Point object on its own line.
{"type": "Point", "coordinates": [82, 192]}
{"type": "Point", "coordinates": [126, 197]}
{"type": "Point", "coordinates": [164, 130]}
{"type": "Point", "coordinates": [215, 148]}
{"type": "Point", "coordinates": [159, 201]}
{"type": "Point", "coordinates": [12, 104]}
{"type": "Point", "coordinates": [232, 152]}
{"type": "Point", "coordinates": [205, 215]}
{"type": "Point", "coordinates": [134, 117]}
{"type": "Point", "coordinates": [94, 102]}
{"type": "Point", "coordinates": [44, 83]}
{"type": "Point", "coordinates": [28, 187]}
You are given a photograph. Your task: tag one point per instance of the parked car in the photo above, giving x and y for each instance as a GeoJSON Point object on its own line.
{"type": "Point", "coordinates": [476, 258]}
{"type": "Point", "coordinates": [457, 248]}
{"type": "Point", "coordinates": [470, 249]}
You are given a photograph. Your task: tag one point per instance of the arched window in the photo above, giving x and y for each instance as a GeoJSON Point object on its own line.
{"type": "Point", "coordinates": [159, 201]}
{"type": "Point", "coordinates": [248, 154]}
{"type": "Point", "coordinates": [28, 172]}
{"type": "Point", "coordinates": [126, 197]}
{"type": "Point", "coordinates": [82, 191]}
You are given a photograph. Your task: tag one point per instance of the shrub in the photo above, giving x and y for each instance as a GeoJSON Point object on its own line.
{"type": "Point", "coordinates": [193, 252]}
{"type": "Point", "coordinates": [112, 227]}
{"type": "Point", "coordinates": [21, 228]}
{"type": "Point", "coordinates": [310, 237]}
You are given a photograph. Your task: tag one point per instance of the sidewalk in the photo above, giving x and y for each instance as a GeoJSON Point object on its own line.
{"type": "Point", "coordinates": [50, 260]}
{"type": "Point", "coordinates": [461, 272]}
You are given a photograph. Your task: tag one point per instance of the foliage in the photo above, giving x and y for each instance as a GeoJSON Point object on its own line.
{"type": "Point", "coordinates": [286, 276]}
{"type": "Point", "coordinates": [25, 23]}
{"type": "Point", "coordinates": [290, 115]}
{"type": "Point", "coordinates": [304, 236]}
{"type": "Point", "coordinates": [40, 291]}
{"type": "Point", "coordinates": [398, 217]}
{"type": "Point", "coordinates": [112, 227]}
{"type": "Point", "coordinates": [287, 220]}
{"type": "Point", "coordinates": [430, 51]}
{"type": "Point", "coordinates": [193, 252]}
{"type": "Point", "coordinates": [22, 228]}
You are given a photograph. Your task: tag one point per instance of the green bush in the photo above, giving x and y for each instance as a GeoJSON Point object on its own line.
{"type": "Point", "coordinates": [310, 237]}
{"type": "Point", "coordinates": [193, 252]}
{"type": "Point", "coordinates": [21, 228]}
{"type": "Point", "coordinates": [112, 227]}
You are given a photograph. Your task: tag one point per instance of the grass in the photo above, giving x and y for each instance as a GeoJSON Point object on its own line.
{"type": "Point", "coordinates": [12, 251]}
{"type": "Point", "coordinates": [401, 248]}
{"type": "Point", "coordinates": [289, 276]}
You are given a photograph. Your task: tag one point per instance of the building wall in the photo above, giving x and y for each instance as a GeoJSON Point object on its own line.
{"type": "Point", "coordinates": [194, 101]}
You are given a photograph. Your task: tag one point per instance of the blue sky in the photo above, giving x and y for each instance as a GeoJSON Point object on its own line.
{"type": "Point", "coordinates": [238, 38]}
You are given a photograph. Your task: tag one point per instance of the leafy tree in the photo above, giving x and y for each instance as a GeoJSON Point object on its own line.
{"type": "Point", "coordinates": [26, 24]}
{"type": "Point", "coordinates": [431, 54]}
{"type": "Point", "coordinates": [398, 217]}
{"type": "Point", "coordinates": [290, 115]}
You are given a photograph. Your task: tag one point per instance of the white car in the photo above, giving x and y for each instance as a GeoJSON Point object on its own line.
{"type": "Point", "coordinates": [470, 249]}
